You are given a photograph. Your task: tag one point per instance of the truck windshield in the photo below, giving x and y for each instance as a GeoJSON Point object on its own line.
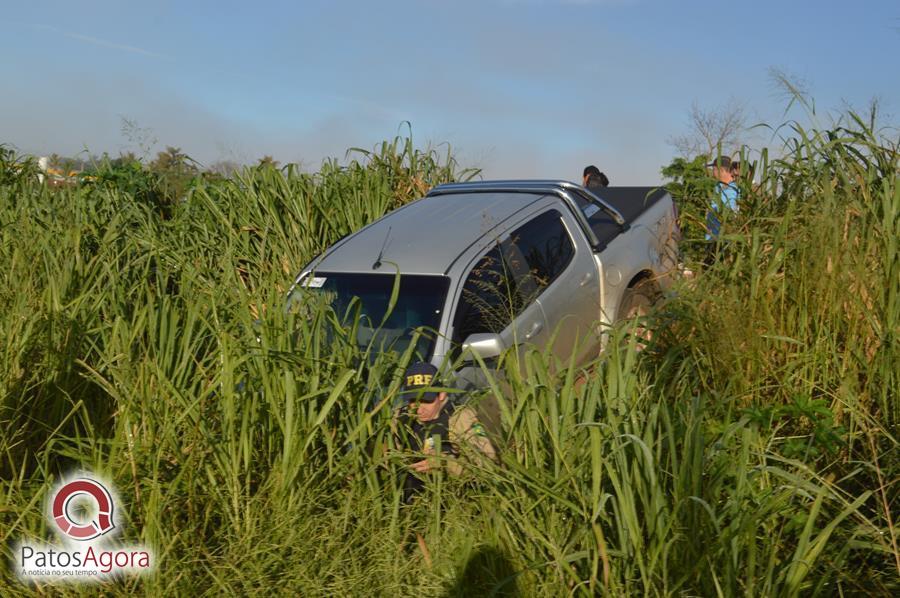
{"type": "Point", "coordinates": [420, 304]}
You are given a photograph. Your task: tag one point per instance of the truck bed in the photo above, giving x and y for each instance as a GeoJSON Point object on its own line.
{"type": "Point", "coordinates": [631, 202]}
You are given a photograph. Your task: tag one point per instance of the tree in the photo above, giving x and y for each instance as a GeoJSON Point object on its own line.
{"type": "Point", "coordinates": [172, 160]}
{"type": "Point", "coordinates": [712, 131]}
{"type": "Point", "coordinates": [129, 175]}
{"type": "Point", "coordinates": [691, 186]}
{"type": "Point", "coordinates": [175, 171]}
{"type": "Point", "coordinates": [125, 158]}
{"type": "Point", "coordinates": [267, 161]}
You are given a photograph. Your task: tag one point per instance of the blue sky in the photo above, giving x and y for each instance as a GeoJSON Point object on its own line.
{"type": "Point", "coordinates": [521, 88]}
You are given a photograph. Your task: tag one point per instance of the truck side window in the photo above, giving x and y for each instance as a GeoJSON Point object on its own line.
{"type": "Point", "coordinates": [488, 302]}
{"type": "Point", "coordinates": [547, 249]}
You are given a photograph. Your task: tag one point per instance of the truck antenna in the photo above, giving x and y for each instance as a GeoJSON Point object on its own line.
{"type": "Point", "coordinates": [377, 263]}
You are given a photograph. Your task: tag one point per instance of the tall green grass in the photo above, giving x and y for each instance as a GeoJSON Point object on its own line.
{"type": "Point", "coordinates": [751, 449]}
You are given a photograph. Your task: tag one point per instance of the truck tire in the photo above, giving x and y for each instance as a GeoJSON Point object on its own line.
{"type": "Point", "coordinates": [637, 302]}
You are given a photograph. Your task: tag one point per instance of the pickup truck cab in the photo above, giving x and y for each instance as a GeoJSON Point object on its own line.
{"type": "Point", "coordinates": [484, 266]}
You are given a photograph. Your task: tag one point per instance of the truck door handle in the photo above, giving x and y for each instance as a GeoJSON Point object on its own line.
{"type": "Point", "coordinates": [535, 328]}
{"type": "Point", "coordinates": [587, 278]}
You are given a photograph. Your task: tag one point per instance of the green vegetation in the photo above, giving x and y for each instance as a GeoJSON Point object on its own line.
{"type": "Point", "coordinates": [750, 449]}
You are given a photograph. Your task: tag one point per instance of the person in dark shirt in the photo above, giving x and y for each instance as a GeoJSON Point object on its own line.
{"type": "Point", "coordinates": [592, 178]}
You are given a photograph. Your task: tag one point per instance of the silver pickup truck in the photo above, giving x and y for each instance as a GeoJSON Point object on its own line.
{"type": "Point", "coordinates": [484, 266]}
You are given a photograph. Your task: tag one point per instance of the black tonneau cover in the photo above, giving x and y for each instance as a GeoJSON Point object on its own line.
{"type": "Point", "coordinates": [631, 202]}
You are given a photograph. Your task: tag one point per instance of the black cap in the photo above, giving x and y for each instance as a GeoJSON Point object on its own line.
{"type": "Point", "coordinates": [417, 377]}
{"type": "Point", "coordinates": [723, 161]}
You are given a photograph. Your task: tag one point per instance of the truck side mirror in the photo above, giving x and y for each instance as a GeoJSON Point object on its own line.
{"type": "Point", "coordinates": [484, 344]}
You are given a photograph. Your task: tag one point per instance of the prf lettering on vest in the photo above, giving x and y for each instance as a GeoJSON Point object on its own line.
{"type": "Point", "coordinates": [418, 380]}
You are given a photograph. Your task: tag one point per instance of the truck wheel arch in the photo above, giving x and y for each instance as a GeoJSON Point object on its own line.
{"type": "Point", "coordinates": [642, 292]}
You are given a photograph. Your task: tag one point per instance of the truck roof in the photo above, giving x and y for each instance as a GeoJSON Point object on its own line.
{"type": "Point", "coordinates": [427, 235]}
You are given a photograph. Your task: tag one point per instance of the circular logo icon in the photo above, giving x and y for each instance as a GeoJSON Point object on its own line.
{"type": "Point", "coordinates": [78, 489]}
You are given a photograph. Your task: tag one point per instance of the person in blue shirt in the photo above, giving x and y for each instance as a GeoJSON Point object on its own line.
{"type": "Point", "coordinates": [724, 202]}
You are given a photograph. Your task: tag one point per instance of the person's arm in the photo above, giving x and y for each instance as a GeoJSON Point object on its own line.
{"type": "Point", "coordinates": [471, 438]}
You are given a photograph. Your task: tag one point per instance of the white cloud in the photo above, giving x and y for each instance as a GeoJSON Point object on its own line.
{"type": "Point", "coordinates": [96, 41]}
{"type": "Point", "coordinates": [114, 46]}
